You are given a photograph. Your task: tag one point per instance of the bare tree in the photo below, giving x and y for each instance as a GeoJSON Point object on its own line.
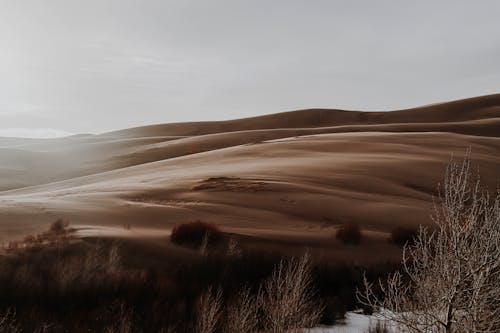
{"type": "Point", "coordinates": [208, 311]}
{"type": "Point", "coordinates": [287, 297]}
{"type": "Point", "coordinates": [242, 313]}
{"type": "Point", "coordinates": [451, 275]}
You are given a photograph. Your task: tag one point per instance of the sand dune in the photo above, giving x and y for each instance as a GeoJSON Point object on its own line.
{"type": "Point", "coordinates": [291, 176]}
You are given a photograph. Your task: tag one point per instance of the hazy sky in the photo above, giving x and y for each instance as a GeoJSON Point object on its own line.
{"type": "Point", "coordinates": [97, 65]}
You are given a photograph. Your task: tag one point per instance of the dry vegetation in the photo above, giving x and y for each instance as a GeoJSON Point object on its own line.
{"type": "Point", "coordinates": [196, 234]}
{"type": "Point", "coordinates": [91, 285]}
{"type": "Point", "coordinates": [403, 236]}
{"type": "Point", "coordinates": [451, 274]}
{"type": "Point", "coordinates": [288, 299]}
{"type": "Point", "coordinates": [349, 233]}
{"type": "Point", "coordinates": [59, 233]}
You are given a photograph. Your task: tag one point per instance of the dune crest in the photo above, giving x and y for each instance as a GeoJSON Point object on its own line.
{"type": "Point", "coordinates": [294, 175]}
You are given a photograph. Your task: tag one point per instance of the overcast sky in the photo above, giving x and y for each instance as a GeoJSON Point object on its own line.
{"type": "Point", "coordinates": [91, 66]}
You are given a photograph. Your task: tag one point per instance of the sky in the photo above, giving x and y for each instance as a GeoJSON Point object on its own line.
{"type": "Point", "coordinates": [92, 66]}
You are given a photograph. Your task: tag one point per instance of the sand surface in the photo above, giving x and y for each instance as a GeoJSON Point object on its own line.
{"type": "Point", "coordinates": [287, 179]}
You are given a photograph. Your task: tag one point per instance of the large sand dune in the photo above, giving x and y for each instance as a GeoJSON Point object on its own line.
{"type": "Point", "coordinates": [288, 178]}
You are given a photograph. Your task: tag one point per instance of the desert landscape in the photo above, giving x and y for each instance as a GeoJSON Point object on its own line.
{"type": "Point", "coordinates": [285, 166]}
{"type": "Point", "coordinates": [219, 203]}
{"type": "Point", "coordinates": [283, 180]}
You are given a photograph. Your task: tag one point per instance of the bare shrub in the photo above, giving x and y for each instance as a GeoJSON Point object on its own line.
{"type": "Point", "coordinates": [241, 313]}
{"type": "Point", "coordinates": [208, 311]}
{"type": "Point", "coordinates": [58, 234]}
{"type": "Point", "coordinates": [59, 226]}
{"type": "Point", "coordinates": [403, 236]}
{"type": "Point", "coordinates": [287, 298]}
{"type": "Point", "coordinates": [349, 233]}
{"type": "Point", "coordinates": [193, 234]}
{"type": "Point", "coordinates": [451, 275]}
{"type": "Point", "coordinates": [8, 323]}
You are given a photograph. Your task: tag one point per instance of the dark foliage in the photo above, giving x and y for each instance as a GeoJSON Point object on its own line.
{"type": "Point", "coordinates": [402, 235]}
{"type": "Point", "coordinates": [33, 284]}
{"type": "Point", "coordinates": [59, 226]}
{"type": "Point", "coordinates": [193, 233]}
{"type": "Point", "coordinates": [349, 233]}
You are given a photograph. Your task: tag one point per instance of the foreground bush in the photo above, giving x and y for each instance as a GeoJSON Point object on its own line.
{"type": "Point", "coordinates": [196, 234]}
{"type": "Point", "coordinates": [288, 299]}
{"type": "Point", "coordinates": [94, 286]}
{"type": "Point", "coordinates": [403, 236]}
{"type": "Point", "coordinates": [285, 302]}
{"type": "Point", "coordinates": [349, 233]}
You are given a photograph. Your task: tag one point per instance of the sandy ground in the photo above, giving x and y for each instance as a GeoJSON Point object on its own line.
{"type": "Point", "coordinates": [285, 180]}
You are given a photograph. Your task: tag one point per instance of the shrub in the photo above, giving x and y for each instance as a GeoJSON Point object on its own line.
{"type": "Point", "coordinates": [349, 233]}
{"type": "Point", "coordinates": [242, 313]}
{"type": "Point", "coordinates": [195, 233]}
{"type": "Point", "coordinates": [288, 298]}
{"type": "Point", "coordinates": [402, 236]}
{"type": "Point", "coordinates": [59, 226]}
{"type": "Point", "coordinates": [208, 311]}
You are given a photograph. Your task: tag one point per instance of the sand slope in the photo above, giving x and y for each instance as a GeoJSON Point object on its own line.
{"type": "Point", "coordinates": [286, 178]}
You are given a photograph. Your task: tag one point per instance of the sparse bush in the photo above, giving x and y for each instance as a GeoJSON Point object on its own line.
{"type": "Point", "coordinates": [288, 299]}
{"type": "Point", "coordinates": [403, 236]}
{"type": "Point", "coordinates": [349, 233]}
{"type": "Point", "coordinates": [241, 313]}
{"type": "Point", "coordinates": [58, 234]}
{"type": "Point", "coordinates": [208, 311]}
{"type": "Point", "coordinates": [77, 286]}
{"type": "Point", "coordinates": [196, 233]}
{"type": "Point", "coordinates": [59, 226]}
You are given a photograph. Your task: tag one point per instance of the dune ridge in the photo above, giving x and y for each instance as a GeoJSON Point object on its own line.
{"type": "Point", "coordinates": [295, 175]}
